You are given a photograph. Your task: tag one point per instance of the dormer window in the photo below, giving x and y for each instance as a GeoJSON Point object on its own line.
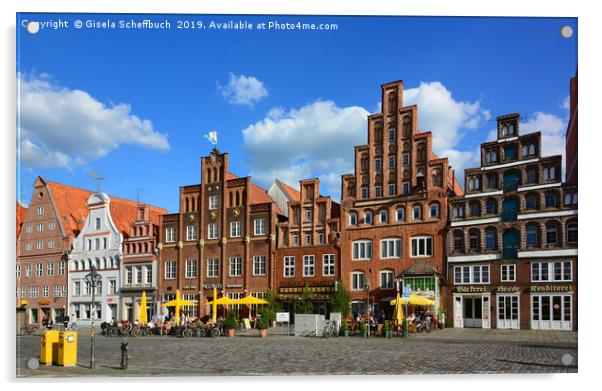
{"type": "Point", "coordinates": [97, 223]}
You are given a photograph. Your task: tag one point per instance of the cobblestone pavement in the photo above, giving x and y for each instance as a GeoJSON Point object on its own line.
{"type": "Point", "coordinates": [442, 351]}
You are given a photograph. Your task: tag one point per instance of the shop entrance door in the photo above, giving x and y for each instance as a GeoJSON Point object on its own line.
{"type": "Point", "coordinates": [551, 312]}
{"type": "Point", "coordinates": [507, 309]}
{"type": "Point", "coordinates": [473, 314]}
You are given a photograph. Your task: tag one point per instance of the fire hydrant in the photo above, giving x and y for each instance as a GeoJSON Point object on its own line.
{"type": "Point", "coordinates": [124, 355]}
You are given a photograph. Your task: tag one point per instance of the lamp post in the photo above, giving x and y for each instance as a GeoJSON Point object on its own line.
{"type": "Point", "coordinates": [93, 279]}
{"type": "Point", "coordinates": [367, 285]}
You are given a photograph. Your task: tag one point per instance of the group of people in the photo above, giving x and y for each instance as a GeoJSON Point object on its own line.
{"type": "Point", "coordinates": [67, 322]}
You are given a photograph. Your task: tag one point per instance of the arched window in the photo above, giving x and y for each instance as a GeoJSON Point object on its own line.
{"type": "Point", "coordinates": [384, 216]}
{"type": "Point", "coordinates": [532, 175]}
{"type": "Point", "coordinates": [434, 210]}
{"type": "Point", "coordinates": [490, 206]}
{"type": "Point", "coordinates": [471, 184]}
{"type": "Point", "coordinates": [531, 201]}
{"type": "Point", "coordinates": [505, 130]}
{"type": "Point", "coordinates": [458, 211]}
{"type": "Point", "coordinates": [459, 241]}
{"type": "Point", "coordinates": [531, 149]}
{"type": "Point", "coordinates": [532, 235]}
{"type": "Point", "coordinates": [475, 209]}
{"type": "Point", "coordinates": [352, 218]}
{"type": "Point", "coordinates": [551, 200]}
{"type": "Point", "coordinates": [368, 217]}
{"type": "Point", "coordinates": [401, 214]}
{"type": "Point", "coordinates": [436, 178]}
{"type": "Point", "coordinates": [511, 129]}
{"type": "Point", "coordinates": [493, 155]}
{"type": "Point", "coordinates": [417, 212]}
{"type": "Point", "coordinates": [552, 233]}
{"type": "Point", "coordinates": [549, 173]}
{"type": "Point", "coordinates": [487, 156]}
{"type": "Point", "coordinates": [490, 240]}
{"type": "Point", "coordinates": [474, 240]}
{"type": "Point", "coordinates": [571, 233]}
{"type": "Point", "coordinates": [187, 209]}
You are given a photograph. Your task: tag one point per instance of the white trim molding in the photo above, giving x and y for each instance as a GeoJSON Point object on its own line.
{"type": "Point", "coordinates": [474, 222]}
{"type": "Point", "coordinates": [474, 258]}
{"type": "Point", "coordinates": [535, 187]}
{"type": "Point", "coordinates": [489, 193]}
{"type": "Point", "coordinates": [548, 253]}
{"type": "Point", "coordinates": [511, 164]}
{"type": "Point", "coordinates": [503, 140]}
{"type": "Point", "coordinates": [571, 212]}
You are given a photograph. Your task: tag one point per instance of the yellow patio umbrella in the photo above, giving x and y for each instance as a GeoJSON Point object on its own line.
{"type": "Point", "coordinates": [214, 307]}
{"type": "Point", "coordinates": [414, 300]}
{"type": "Point", "coordinates": [143, 318]}
{"type": "Point", "coordinates": [398, 311]}
{"type": "Point", "coordinates": [223, 301]}
{"type": "Point", "coordinates": [250, 300]}
{"type": "Point", "coordinates": [178, 302]}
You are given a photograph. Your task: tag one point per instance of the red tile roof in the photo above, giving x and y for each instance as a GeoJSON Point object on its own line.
{"type": "Point", "coordinates": [257, 194]}
{"type": "Point", "coordinates": [73, 211]}
{"type": "Point", "coordinates": [21, 211]}
{"type": "Point", "coordinates": [293, 193]}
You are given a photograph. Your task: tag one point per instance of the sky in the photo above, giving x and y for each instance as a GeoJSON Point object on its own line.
{"type": "Point", "coordinates": [134, 105]}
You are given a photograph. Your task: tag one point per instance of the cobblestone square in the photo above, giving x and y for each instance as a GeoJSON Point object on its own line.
{"type": "Point", "coordinates": [448, 351]}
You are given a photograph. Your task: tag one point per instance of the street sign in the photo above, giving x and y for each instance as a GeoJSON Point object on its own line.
{"type": "Point", "coordinates": [406, 292]}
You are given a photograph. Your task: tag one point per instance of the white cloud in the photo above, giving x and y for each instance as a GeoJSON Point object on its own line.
{"type": "Point", "coordinates": [553, 130]}
{"type": "Point", "coordinates": [461, 160]}
{"type": "Point", "coordinates": [441, 114]}
{"type": "Point", "coordinates": [60, 127]}
{"type": "Point", "coordinates": [316, 140]}
{"type": "Point", "coordinates": [566, 103]}
{"type": "Point", "coordinates": [243, 90]}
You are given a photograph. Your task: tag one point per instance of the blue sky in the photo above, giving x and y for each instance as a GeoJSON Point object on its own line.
{"type": "Point", "coordinates": [133, 105]}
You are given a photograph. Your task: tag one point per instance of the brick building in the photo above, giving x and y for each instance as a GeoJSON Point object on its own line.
{"type": "Point", "coordinates": [140, 267]}
{"type": "Point", "coordinates": [394, 209]}
{"type": "Point", "coordinates": [572, 135]}
{"type": "Point", "coordinates": [512, 243]}
{"type": "Point", "coordinates": [308, 248]}
{"type": "Point", "coordinates": [223, 236]}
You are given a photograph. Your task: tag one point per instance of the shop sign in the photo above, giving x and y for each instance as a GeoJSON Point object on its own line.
{"type": "Point", "coordinates": [212, 286]}
{"type": "Point", "coordinates": [283, 317]}
{"type": "Point", "coordinates": [425, 294]}
{"type": "Point", "coordinates": [234, 286]}
{"type": "Point", "coordinates": [43, 302]}
{"type": "Point", "coordinates": [508, 289]}
{"type": "Point", "coordinates": [551, 288]}
{"type": "Point", "coordinates": [471, 289]}
{"type": "Point", "coordinates": [299, 289]}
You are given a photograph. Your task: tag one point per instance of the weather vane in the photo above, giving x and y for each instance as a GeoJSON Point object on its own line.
{"type": "Point", "coordinates": [98, 180]}
{"type": "Point", "coordinates": [212, 137]}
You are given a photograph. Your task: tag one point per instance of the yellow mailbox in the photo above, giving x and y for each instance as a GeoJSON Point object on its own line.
{"type": "Point", "coordinates": [49, 347]}
{"type": "Point", "coordinates": [67, 355]}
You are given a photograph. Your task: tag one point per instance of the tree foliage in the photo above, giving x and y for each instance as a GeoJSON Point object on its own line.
{"type": "Point", "coordinates": [341, 300]}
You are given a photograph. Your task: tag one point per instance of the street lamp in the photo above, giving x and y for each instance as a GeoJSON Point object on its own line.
{"type": "Point", "coordinates": [92, 279]}
{"type": "Point", "coordinates": [367, 285]}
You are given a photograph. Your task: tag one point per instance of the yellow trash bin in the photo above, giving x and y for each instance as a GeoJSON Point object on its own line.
{"type": "Point", "coordinates": [67, 355]}
{"type": "Point", "coordinates": [49, 347]}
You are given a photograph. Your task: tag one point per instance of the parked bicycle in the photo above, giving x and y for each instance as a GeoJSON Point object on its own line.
{"type": "Point", "coordinates": [330, 330]}
{"type": "Point", "coordinates": [28, 329]}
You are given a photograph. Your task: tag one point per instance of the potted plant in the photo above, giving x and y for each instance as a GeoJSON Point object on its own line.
{"type": "Point", "coordinates": [387, 327]}
{"type": "Point", "coordinates": [230, 324]}
{"type": "Point", "coordinates": [263, 324]}
{"type": "Point", "coordinates": [362, 328]}
{"type": "Point", "coordinates": [345, 329]}
{"type": "Point", "coordinates": [404, 328]}
{"type": "Point", "coordinates": [441, 319]}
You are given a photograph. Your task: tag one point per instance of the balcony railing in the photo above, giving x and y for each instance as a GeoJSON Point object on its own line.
{"type": "Point", "coordinates": [509, 215]}
{"type": "Point", "coordinates": [510, 253]}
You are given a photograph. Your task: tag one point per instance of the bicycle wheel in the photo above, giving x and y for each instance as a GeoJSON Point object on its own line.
{"type": "Point", "coordinates": [187, 333]}
{"type": "Point", "coordinates": [214, 332]}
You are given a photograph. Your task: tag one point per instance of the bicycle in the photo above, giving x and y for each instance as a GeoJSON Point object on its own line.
{"type": "Point", "coordinates": [28, 329]}
{"type": "Point", "coordinates": [330, 329]}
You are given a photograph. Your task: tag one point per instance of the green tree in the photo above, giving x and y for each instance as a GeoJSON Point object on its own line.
{"type": "Point", "coordinates": [306, 305]}
{"type": "Point", "coordinates": [269, 310]}
{"type": "Point", "coordinates": [341, 300]}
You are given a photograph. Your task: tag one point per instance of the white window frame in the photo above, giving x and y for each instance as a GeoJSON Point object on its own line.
{"type": "Point", "coordinates": [50, 269]}
{"type": "Point", "coordinates": [191, 268]}
{"type": "Point", "coordinates": [40, 227]}
{"type": "Point", "coordinates": [328, 265]}
{"type": "Point", "coordinates": [112, 287]}
{"type": "Point", "coordinates": [289, 266]}
{"type": "Point", "coordinates": [191, 232]}
{"type": "Point", "coordinates": [259, 265]}
{"type": "Point", "coordinates": [380, 216]}
{"type": "Point", "coordinates": [28, 228]}
{"type": "Point", "coordinates": [378, 164]}
{"type": "Point", "coordinates": [392, 189]}
{"type": "Point", "coordinates": [51, 225]}
{"type": "Point", "coordinates": [417, 240]}
{"type": "Point", "coordinates": [471, 270]}
{"type": "Point", "coordinates": [387, 272]}
{"type": "Point", "coordinates": [170, 235]}
{"type": "Point", "coordinates": [308, 215]}
{"type": "Point", "coordinates": [213, 202]}
{"type": "Point", "coordinates": [77, 288]}
{"type": "Point", "coordinates": [406, 159]}
{"type": "Point", "coordinates": [390, 248]}
{"type": "Point", "coordinates": [308, 239]}
{"type": "Point", "coordinates": [40, 210]}
{"type": "Point", "coordinates": [235, 266]}
{"type": "Point", "coordinates": [378, 191]}
{"type": "Point", "coordinates": [355, 286]}
{"type": "Point", "coordinates": [235, 229]}
{"type": "Point", "coordinates": [61, 268]}
{"type": "Point", "coordinates": [212, 267]}
{"type": "Point", "coordinates": [97, 223]}
{"type": "Point", "coordinates": [39, 269]}
{"type": "Point", "coordinates": [438, 212]}
{"type": "Point", "coordinates": [296, 240]}
{"type": "Point", "coordinates": [406, 187]}
{"type": "Point", "coordinates": [309, 266]}
{"type": "Point", "coordinates": [550, 271]}
{"type": "Point", "coordinates": [403, 213]}
{"type": "Point", "coordinates": [365, 193]}
{"type": "Point", "coordinates": [321, 238]}
{"type": "Point", "coordinates": [212, 231]}
{"type": "Point", "coordinates": [362, 250]}
{"type": "Point", "coordinates": [510, 270]}
{"type": "Point", "coordinates": [170, 270]}
{"type": "Point", "coordinates": [419, 209]}
{"type": "Point", "coordinates": [368, 217]}
{"type": "Point", "coordinates": [260, 226]}
{"type": "Point", "coordinates": [353, 218]}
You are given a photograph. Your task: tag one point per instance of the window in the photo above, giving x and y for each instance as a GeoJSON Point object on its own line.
{"type": "Point", "coordinates": [571, 233]}
{"type": "Point", "coordinates": [77, 288]}
{"type": "Point", "coordinates": [89, 247]}
{"type": "Point", "coordinates": [289, 266]}
{"type": "Point", "coordinates": [422, 246]}
{"type": "Point", "coordinates": [406, 188]}
{"type": "Point", "coordinates": [138, 274]}
{"type": "Point", "coordinates": [308, 239]}
{"type": "Point", "coordinates": [434, 210]}
{"type": "Point", "coordinates": [392, 190]}
{"type": "Point", "coordinates": [477, 274]}
{"type": "Point", "coordinates": [104, 243]}
{"type": "Point", "coordinates": [23, 292]}
{"type": "Point", "coordinates": [570, 198]}
{"type": "Point", "coordinates": [308, 215]}
{"type": "Point", "coordinates": [170, 270]}
{"type": "Point", "coordinates": [235, 267]}
{"type": "Point", "coordinates": [492, 181]}
{"type": "Point", "coordinates": [490, 242]}
{"type": "Point", "coordinates": [129, 273]}
{"type": "Point", "coordinates": [45, 291]}
{"type": "Point", "coordinates": [260, 226]}
{"type": "Point", "coordinates": [97, 244]}
{"type": "Point", "coordinates": [40, 210]}
{"type": "Point", "coordinates": [97, 226]}
{"type": "Point", "coordinates": [508, 273]}
{"type": "Point", "coordinates": [34, 292]}
{"type": "Point", "coordinates": [28, 269]}
{"type": "Point", "coordinates": [212, 202]}
{"type": "Point", "coordinates": [551, 234]}
{"type": "Point", "coordinates": [191, 232]}
{"type": "Point", "coordinates": [551, 271]}
{"type": "Point", "coordinates": [417, 212]}
{"type": "Point", "coordinates": [212, 231]}
{"type": "Point", "coordinates": [50, 268]}
{"type": "Point", "coordinates": [259, 265]}
{"type": "Point", "coordinates": [406, 159]}
{"type": "Point", "coordinates": [531, 175]}
{"type": "Point", "coordinates": [308, 266]}
{"type": "Point", "coordinates": [391, 162]}
{"type": "Point", "coordinates": [474, 240]}
{"type": "Point", "coordinates": [28, 228]}
{"type": "Point", "coordinates": [401, 214]}
{"type": "Point", "coordinates": [378, 164]}
{"type": "Point", "coordinates": [39, 270]}
{"type": "Point", "coordinates": [362, 250]}
{"type": "Point", "coordinates": [320, 238]}
{"type": "Point", "coordinates": [386, 279]}
{"type": "Point", "coordinates": [378, 191]}
{"type": "Point", "coordinates": [390, 248]}
{"type": "Point", "coordinates": [364, 192]}
{"type": "Point", "coordinates": [490, 206]}
{"type": "Point", "coordinates": [368, 217]}
{"type": "Point", "coordinates": [61, 268]}
{"type": "Point", "coordinates": [384, 216]}
{"type": "Point", "coordinates": [40, 227]}
{"type": "Point", "coordinates": [170, 234]}
{"type": "Point", "coordinates": [532, 235]}
{"type": "Point", "coordinates": [39, 245]}
{"type": "Point", "coordinates": [112, 287]}
{"type": "Point", "coordinates": [328, 265]}
{"type": "Point", "coordinates": [475, 209]}
{"type": "Point", "coordinates": [18, 271]}
{"type": "Point", "coordinates": [358, 281]}
{"type": "Point", "coordinates": [459, 241]}
{"type": "Point", "coordinates": [212, 267]}
{"type": "Point", "coordinates": [87, 288]}
{"type": "Point", "coordinates": [391, 134]}
{"type": "Point", "coordinates": [148, 275]}
{"type": "Point", "coordinates": [458, 211]}
{"type": "Point", "coordinates": [549, 173]}
{"type": "Point", "coordinates": [531, 202]}
{"type": "Point", "coordinates": [235, 229]}
{"type": "Point", "coordinates": [191, 268]}
{"type": "Point", "coordinates": [352, 218]}
{"type": "Point", "coordinates": [296, 240]}
{"type": "Point", "coordinates": [551, 200]}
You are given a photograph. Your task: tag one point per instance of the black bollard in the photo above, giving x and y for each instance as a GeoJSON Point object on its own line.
{"type": "Point", "coordinates": [124, 354]}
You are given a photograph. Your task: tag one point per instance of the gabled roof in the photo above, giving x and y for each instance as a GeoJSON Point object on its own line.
{"type": "Point", "coordinates": [257, 195]}
{"type": "Point", "coordinates": [21, 211]}
{"type": "Point", "coordinates": [292, 193]}
{"type": "Point", "coordinates": [72, 209]}
{"type": "Point", "coordinates": [420, 268]}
